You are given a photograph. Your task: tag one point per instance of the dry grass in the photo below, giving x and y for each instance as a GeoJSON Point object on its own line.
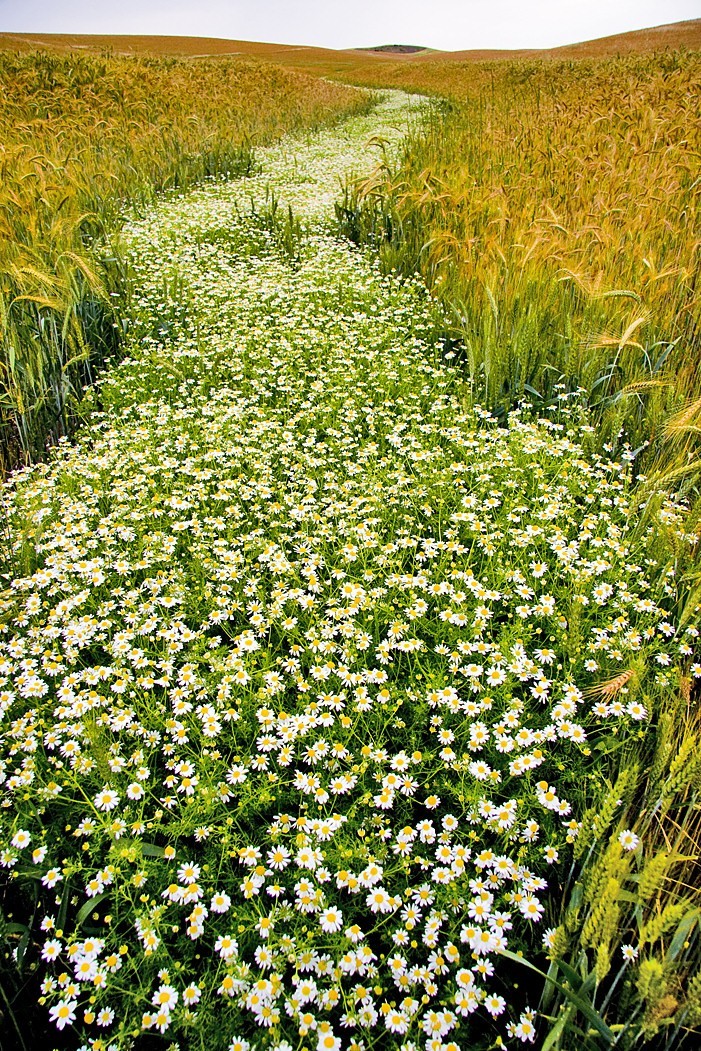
{"type": "Point", "coordinates": [356, 64]}
{"type": "Point", "coordinates": [78, 137]}
{"type": "Point", "coordinates": [155, 46]}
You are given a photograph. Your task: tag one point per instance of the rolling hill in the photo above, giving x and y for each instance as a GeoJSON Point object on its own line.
{"type": "Point", "coordinates": [326, 60]}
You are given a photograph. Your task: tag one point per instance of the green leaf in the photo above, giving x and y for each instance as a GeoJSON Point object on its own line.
{"type": "Point", "coordinates": [150, 850]}
{"type": "Point", "coordinates": [591, 1015]}
{"type": "Point", "coordinates": [22, 948]}
{"type": "Point", "coordinates": [572, 976]}
{"type": "Point", "coordinates": [87, 908]}
{"type": "Point", "coordinates": [553, 1037]}
{"type": "Point", "coordinates": [622, 293]}
{"type": "Point", "coordinates": [548, 991]}
{"type": "Point", "coordinates": [681, 935]}
{"type": "Point", "coordinates": [16, 928]}
{"type": "Point", "coordinates": [63, 907]}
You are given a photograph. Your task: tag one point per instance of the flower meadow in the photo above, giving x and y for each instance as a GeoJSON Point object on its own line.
{"type": "Point", "coordinates": [301, 653]}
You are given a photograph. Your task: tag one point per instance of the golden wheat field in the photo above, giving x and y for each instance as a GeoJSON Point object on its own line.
{"type": "Point", "coordinates": [81, 138]}
{"type": "Point", "coordinates": [556, 211]}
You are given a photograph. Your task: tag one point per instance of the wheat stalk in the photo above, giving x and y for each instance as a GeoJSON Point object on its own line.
{"type": "Point", "coordinates": [611, 687]}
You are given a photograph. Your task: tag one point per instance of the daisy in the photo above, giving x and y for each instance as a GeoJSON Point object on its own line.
{"type": "Point", "coordinates": [63, 1013]}
{"type": "Point", "coordinates": [628, 839]}
{"type": "Point", "coordinates": [331, 920]}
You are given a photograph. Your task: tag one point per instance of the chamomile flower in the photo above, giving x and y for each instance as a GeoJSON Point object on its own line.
{"type": "Point", "coordinates": [628, 839]}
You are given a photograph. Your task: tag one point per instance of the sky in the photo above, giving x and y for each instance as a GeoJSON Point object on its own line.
{"type": "Point", "coordinates": [449, 25]}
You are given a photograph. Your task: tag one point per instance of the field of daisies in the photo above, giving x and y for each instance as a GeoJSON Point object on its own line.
{"type": "Point", "coordinates": [335, 715]}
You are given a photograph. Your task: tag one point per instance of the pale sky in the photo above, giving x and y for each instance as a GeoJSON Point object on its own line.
{"type": "Point", "coordinates": [446, 24]}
